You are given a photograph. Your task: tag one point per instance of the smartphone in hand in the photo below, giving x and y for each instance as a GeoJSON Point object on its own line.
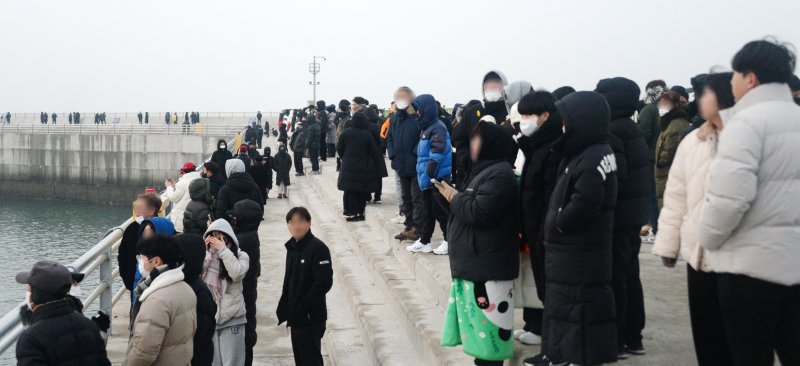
{"type": "Point", "coordinates": [434, 181]}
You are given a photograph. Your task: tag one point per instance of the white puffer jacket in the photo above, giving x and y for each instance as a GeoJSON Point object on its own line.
{"type": "Point", "coordinates": [179, 196]}
{"type": "Point", "coordinates": [683, 202]}
{"type": "Point", "coordinates": [750, 222]}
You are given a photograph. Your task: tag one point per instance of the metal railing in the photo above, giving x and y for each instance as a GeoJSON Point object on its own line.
{"type": "Point", "coordinates": [149, 129]}
{"type": "Point", "coordinates": [98, 257]}
{"type": "Point", "coordinates": [132, 118]}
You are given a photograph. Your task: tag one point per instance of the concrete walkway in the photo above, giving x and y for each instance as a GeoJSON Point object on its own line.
{"type": "Point", "coordinates": [387, 305]}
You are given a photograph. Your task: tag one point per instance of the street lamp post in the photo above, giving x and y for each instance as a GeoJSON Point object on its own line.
{"type": "Point", "coordinates": [313, 68]}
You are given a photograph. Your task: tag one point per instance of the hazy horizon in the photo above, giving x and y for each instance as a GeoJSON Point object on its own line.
{"type": "Point", "coordinates": [245, 55]}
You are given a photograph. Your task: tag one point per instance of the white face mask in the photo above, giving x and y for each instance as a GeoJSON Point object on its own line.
{"type": "Point", "coordinates": [492, 95]}
{"type": "Point", "coordinates": [528, 126]}
{"type": "Point", "coordinates": [662, 111]}
{"type": "Point", "coordinates": [28, 300]}
{"type": "Point", "coordinates": [563, 129]}
{"type": "Point", "coordinates": [141, 268]}
{"type": "Point", "coordinates": [222, 146]}
{"type": "Point", "coordinates": [401, 104]}
{"type": "Point", "coordinates": [75, 291]}
{"type": "Point", "coordinates": [139, 219]}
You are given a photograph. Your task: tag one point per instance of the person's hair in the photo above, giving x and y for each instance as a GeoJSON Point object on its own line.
{"type": "Point", "coordinates": [537, 103]}
{"type": "Point", "coordinates": [162, 246]}
{"type": "Point", "coordinates": [152, 200]}
{"type": "Point", "coordinates": [794, 83]}
{"type": "Point", "coordinates": [563, 92]}
{"type": "Point", "coordinates": [301, 211]}
{"type": "Point", "coordinates": [654, 83]}
{"type": "Point", "coordinates": [770, 61]}
{"type": "Point", "coordinates": [720, 85]}
{"type": "Point", "coordinates": [672, 97]}
{"type": "Point", "coordinates": [407, 90]}
{"type": "Point", "coordinates": [211, 167]}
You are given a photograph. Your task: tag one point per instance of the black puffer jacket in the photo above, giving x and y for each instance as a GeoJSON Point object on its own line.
{"type": "Point", "coordinates": [313, 131]}
{"type": "Point", "coordinates": [220, 156]}
{"type": "Point", "coordinates": [299, 141]}
{"type": "Point", "coordinates": [239, 186]}
{"type": "Point", "coordinates": [634, 160]}
{"type": "Point", "coordinates": [245, 219]}
{"type": "Point", "coordinates": [194, 252]}
{"type": "Point", "coordinates": [61, 336]}
{"type": "Point", "coordinates": [482, 231]}
{"type": "Point", "coordinates": [360, 167]}
{"type": "Point", "coordinates": [308, 277]}
{"type": "Point", "coordinates": [126, 257]}
{"type": "Point", "coordinates": [579, 325]}
{"type": "Point", "coordinates": [195, 217]}
{"type": "Point", "coordinates": [539, 176]}
{"type": "Point", "coordinates": [282, 164]}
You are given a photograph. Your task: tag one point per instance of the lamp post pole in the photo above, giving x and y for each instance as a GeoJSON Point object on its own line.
{"type": "Point", "coordinates": [313, 68]}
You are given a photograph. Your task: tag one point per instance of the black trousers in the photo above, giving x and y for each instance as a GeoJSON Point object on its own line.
{"type": "Point", "coordinates": [298, 161]}
{"type": "Point", "coordinates": [323, 148]}
{"type": "Point", "coordinates": [435, 208]}
{"type": "Point", "coordinates": [250, 335]}
{"type": "Point", "coordinates": [354, 202]}
{"type": "Point", "coordinates": [533, 320]}
{"type": "Point", "coordinates": [761, 318]}
{"type": "Point", "coordinates": [307, 344]}
{"type": "Point", "coordinates": [628, 294]}
{"type": "Point", "coordinates": [413, 209]}
{"type": "Point", "coordinates": [331, 150]}
{"type": "Point", "coordinates": [479, 362]}
{"type": "Point", "coordinates": [708, 331]}
{"type": "Point", "coordinates": [377, 193]}
{"type": "Point", "coordinates": [313, 156]}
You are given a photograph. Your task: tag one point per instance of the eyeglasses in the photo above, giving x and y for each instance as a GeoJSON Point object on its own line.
{"type": "Point", "coordinates": [139, 257]}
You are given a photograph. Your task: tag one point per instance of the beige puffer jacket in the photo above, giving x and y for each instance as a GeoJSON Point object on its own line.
{"type": "Point", "coordinates": [164, 327]}
{"type": "Point", "coordinates": [683, 202]}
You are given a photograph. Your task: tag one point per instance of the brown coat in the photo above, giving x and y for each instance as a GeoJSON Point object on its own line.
{"type": "Point", "coordinates": [164, 327]}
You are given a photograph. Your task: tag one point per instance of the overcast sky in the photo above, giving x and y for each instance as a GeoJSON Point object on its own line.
{"type": "Point", "coordinates": [101, 55]}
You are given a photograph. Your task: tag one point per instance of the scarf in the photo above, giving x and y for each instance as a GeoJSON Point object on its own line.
{"type": "Point", "coordinates": [211, 274]}
{"type": "Point", "coordinates": [143, 285]}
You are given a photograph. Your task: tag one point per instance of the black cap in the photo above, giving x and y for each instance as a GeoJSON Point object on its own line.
{"type": "Point", "coordinates": [47, 276]}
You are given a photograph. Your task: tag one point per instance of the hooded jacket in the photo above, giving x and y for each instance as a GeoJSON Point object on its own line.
{"type": "Point", "coordinates": [179, 196]}
{"type": "Point", "coordinates": [313, 132]}
{"type": "Point", "coordinates": [539, 174]}
{"type": "Point", "coordinates": [330, 129]}
{"type": "Point", "coordinates": [750, 221]}
{"type": "Point", "coordinates": [579, 307]}
{"type": "Point", "coordinates": [60, 336]}
{"type": "Point", "coordinates": [359, 171]}
{"type": "Point", "coordinates": [434, 151]}
{"type": "Point", "coordinates": [470, 118]}
{"type": "Point", "coordinates": [282, 164]}
{"type": "Point", "coordinates": [634, 166]}
{"type": "Point", "coordinates": [674, 126]}
{"type": "Point", "coordinates": [308, 277]}
{"type": "Point", "coordinates": [231, 304]}
{"type": "Point", "coordinates": [239, 186]}
{"type": "Point", "coordinates": [193, 250]}
{"type": "Point", "coordinates": [220, 156]}
{"type": "Point", "coordinates": [401, 143]}
{"type": "Point", "coordinates": [195, 217]}
{"type": "Point", "coordinates": [299, 140]}
{"type": "Point", "coordinates": [246, 218]}
{"type": "Point", "coordinates": [164, 327]}
{"type": "Point", "coordinates": [482, 229]}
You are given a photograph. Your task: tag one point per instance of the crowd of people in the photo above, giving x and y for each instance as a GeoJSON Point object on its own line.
{"type": "Point", "coordinates": [543, 200]}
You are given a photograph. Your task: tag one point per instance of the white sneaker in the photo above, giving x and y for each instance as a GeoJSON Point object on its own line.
{"type": "Point", "coordinates": [519, 332]}
{"type": "Point", "coordinates": [650, 239]}
{"type": "Point", "coordinates": [529, 338]}
{"type": "Point", "coordinates": [418, 247]}
{"type": "Point", "coordinates": [399, 219]}
{"type": "Point", "coordinates": [442, 249]}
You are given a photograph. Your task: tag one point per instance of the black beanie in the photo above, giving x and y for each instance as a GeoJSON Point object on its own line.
{"type": "Point", "coordinates": [681, 91]}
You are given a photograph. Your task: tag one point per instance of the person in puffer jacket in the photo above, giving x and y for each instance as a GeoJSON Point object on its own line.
{"type": "Point", "coordinates": [245, 220]}
{"type": "Point", "coordinates": [634, 172]}
{"type": "Point", "coordinates": [224, 269]}
{"type": "Point", "coordinates": [194, 252]}
{"type": "Point", "coordinates": [178, 194]}
{"type": "Point", "coordinates": [579, 325]}
{"type": "Point", "coordinates": [434, 161]}
{"type": "Point", "coordinates": [196, 215]}
{"type": "Point", "coordinates": [239, 186]}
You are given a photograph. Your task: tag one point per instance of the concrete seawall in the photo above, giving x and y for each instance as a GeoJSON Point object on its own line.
{"type": "Point", "coordinates": [93, 168]}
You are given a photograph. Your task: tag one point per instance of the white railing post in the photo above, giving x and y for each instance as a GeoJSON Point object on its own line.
{"type": "Point", "coordinates": [107, 279]}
